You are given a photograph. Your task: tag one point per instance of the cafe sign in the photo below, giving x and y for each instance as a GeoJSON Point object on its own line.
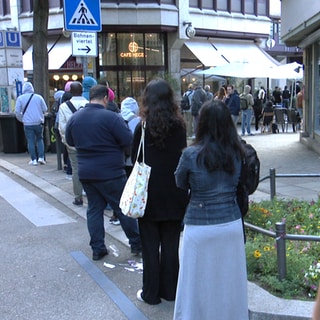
{"type": "Point", "coordinates": [133, 48]}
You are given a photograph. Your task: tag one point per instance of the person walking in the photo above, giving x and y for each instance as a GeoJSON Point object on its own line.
{"type": "Point", "coordinates": [30, 109]}
{"type": "Point", "coordinates": [100, 136]}
{"type": "Point", "coordinates": [198, 98]}
{"type": "Point", "coordinates": [186, 112]}
{"type": "Point", "coordinates": [66, 110]}
{"type": "Point", "coordinates": [246, 104]}
{"type": "Point", "coordinates": [208, 92]}
{"type": "Point", "coordinates": [212, 280]}
{"type": "Point", "coordinates": [160, 227]}
{"type": "Point", "coordinates": [233, 103]}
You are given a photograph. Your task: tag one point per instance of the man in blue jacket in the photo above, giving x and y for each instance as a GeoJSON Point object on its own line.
{"type": "Point", "coordinates": [100, 137]}
{"type": "Point", "coordinates": [233, 103]}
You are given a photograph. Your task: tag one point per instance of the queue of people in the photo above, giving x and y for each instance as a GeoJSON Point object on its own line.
{"type": "Point", "coordinates": [191, 188]}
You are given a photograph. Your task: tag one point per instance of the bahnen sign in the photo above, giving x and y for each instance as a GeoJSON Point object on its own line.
{"type": "Point", "coordinates": [84, 44]}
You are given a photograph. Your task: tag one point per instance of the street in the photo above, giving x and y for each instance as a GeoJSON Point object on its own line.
{"type": "Point", "coordinates": [46, 269]}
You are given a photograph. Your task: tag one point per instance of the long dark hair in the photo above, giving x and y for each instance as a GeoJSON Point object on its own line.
{"type": "Point", "coordinates": [217, 137]}
{"type": "Point", "coordinates": [160, 111]}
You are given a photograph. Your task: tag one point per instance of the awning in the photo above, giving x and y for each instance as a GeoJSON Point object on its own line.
{"type": "Point", "coordinates": [205, 53]}
{"type": "Point", "coordinates": [218, 52]}
{"type": "Point", "coordinates": [58, 54]}
{"type": "Point", "coordinates": [243, 51]}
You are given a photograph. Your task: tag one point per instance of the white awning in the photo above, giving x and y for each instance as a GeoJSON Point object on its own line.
{"type": "Point", "coordinates": [58, 54]}
{"type": "Point", "coordinates": [205, 53]}
{"type": "Point", "coordinates": [243, 51]}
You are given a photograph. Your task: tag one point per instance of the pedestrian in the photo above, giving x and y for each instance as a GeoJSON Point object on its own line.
{"type": "Point", "coordinates": [100, 136]}
{"type": "Point", "coordinates": [208, 92]}
{"type": "Point", "coordinates": [87, 83]}
{"type": "Point", "coordinates": [277, 96]}
{"type": "Point", "coordinates": [286, 95]}
{"type": "Point", "coordinates": [212, 278]}
{"type": "Point", "coordinates": [221, 94]}
{"type": "Point", "coordinates": [130, 114]}
{"type": "Point", "coordinates": [30, 109]}
{"type": "Point", "coordinates": [66, 110]}
{"type": "Point", "coordinates": [199, 96]}
{"type": "Point", "coordinates": [246, 104]}
{"type": "Point", "coordinates": [160, 227]}
{"type": "Point", "coordinates": [233, 103]}
{"type": "Point", "coordinates": [186, 110]}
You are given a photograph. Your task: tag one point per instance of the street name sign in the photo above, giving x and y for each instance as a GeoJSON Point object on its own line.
{"type": "Point", "coordinates": [82, 15]}
{"type": "Point", "coordinates": [84, 44]}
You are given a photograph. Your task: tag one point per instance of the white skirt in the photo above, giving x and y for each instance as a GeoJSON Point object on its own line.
{"type": "Point", "coordinates": [212, 282]}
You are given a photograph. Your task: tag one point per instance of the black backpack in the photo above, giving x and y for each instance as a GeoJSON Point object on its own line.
{"type": "Point", "coordinates": [185, 103]}
{"type": "Point", "coordinates": [249, 178]}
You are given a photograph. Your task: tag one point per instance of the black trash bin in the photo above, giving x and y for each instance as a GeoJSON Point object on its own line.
{"type": "Point", "coordinates": [13, 138]}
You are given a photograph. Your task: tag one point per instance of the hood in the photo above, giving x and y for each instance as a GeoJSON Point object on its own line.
{"type": "Point", "coordinates": [110, 95]}
{"type": "Point", "coordinates": [129, 108]}
{"type": "Point", "coordinates": [57, 96]}
{"type": "Point", "coordinates": [88, 82]}
{"type": "Point", "coordinates": [27, 88]}
{"type": "Point", "coordinates": [67, 86]}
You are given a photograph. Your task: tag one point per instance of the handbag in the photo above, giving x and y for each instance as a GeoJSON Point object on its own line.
{"type": "Point", "coordinates": [135, 193]}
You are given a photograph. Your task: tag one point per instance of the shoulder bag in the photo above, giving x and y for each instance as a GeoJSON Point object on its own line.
{"type": "Point", "coordinates": [135, 193]}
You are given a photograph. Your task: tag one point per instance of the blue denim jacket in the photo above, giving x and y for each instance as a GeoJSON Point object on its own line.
{"type": "Point", "coordinates": [212, 194]}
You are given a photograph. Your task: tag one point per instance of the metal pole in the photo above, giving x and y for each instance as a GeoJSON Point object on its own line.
{"type": "Point", "coordinates": [85, 66]}
{"type": "Point", "coordinates": [272, 183]}
{"type": "Point", "coordinates": [281, 249]}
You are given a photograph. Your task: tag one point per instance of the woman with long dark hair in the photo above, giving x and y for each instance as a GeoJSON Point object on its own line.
{"type": "Point", "coordinates": [212, 278]}
{"type": "Point", "coordinates": [165, 138]}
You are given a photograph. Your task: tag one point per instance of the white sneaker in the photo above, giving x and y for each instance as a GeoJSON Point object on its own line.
{"type": "Point", "coordinates": [69, 176]}
{"type": "Point", "coordinates": [33, 162]}
{"type": "Point", "coordinates": [139, 297]}
{"type": "Point", "coordinates": [41, 161]}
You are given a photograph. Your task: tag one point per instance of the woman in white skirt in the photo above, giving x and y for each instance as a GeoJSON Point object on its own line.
{"type": "Point", "coordinates": [212, 282]}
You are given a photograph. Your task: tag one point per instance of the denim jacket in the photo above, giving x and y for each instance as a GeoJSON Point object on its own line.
{"type": "Point", "coordinates": [212, 194]}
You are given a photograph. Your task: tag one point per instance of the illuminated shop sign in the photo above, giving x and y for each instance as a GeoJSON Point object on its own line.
{"type": "Point", "coordinates": [133, 48]}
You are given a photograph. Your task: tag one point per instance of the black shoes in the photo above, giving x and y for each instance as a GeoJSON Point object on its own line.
{"type": "Point", "coordinates": [100, 255]}
{"type": "Point", "coordinates": [136, 252]}
{"type": "Point", "coordinates": [78, 202]}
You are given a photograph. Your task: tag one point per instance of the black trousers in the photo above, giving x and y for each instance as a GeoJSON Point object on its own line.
{"type": "Point", "coordinates": [160, 253]}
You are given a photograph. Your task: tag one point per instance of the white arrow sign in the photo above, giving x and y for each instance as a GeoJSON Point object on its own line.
{"type": "Point", "coordinates": [84, 44]}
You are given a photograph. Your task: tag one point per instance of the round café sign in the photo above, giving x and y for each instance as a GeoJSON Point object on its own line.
{"type": "Point", "coordinates": [133, 48]}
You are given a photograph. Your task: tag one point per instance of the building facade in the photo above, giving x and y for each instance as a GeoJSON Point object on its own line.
{"type": "Point", "coordinates": [301, 28]}
{"type": "Point", "coordinates": [141, 39]}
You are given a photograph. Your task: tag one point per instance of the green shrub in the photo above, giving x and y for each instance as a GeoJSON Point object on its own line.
{"type": "Point", "coordinates": [302, 257]}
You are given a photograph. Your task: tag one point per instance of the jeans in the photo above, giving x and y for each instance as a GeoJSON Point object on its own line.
{"type": "Point", "coordinates": [34, 135]}
{"type": "Point", "coordinates": [77, 186]}
{"type": "Point", "coordinates": [246, 121]}
{"type": "Point", "coordinates": [99, 193]}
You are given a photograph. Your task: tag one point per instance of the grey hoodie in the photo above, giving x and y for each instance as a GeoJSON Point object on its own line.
{"type": "Point", "coordinates": [34, 114]}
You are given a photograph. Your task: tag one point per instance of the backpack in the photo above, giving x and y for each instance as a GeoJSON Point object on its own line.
{"type": "Point", "coordinates": [185, 103]}
{"type": "Point", "coordinates": [249, 177]}
{"type": "Point", "coordinates": [250, 168]}
{"type": "Point", "coordinates": [244, 102]}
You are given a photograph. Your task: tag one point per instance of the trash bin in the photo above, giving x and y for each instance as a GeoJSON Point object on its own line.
{"type": "Point", "coordinates": [13, 138]}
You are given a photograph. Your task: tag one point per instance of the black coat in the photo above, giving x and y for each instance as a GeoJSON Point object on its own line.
{"type": "Point", "coordinates": [165, 200]}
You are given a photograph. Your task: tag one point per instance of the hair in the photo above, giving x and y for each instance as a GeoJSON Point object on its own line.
{"type": "Point", "coordinates": [160, 111]}
{"type": "Point", "coordinates": [221, 93]}
{"type": "Point", "coordinates": [217, 137]}
{"type": "Point", "coordinates": [98, 91]}
{"type": "Point", "coordinates": [76, 88]}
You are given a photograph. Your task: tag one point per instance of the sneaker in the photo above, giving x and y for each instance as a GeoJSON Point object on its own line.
{"type": "Point", "coordinates": [139, 295]}
{"type": "Point", "coordinates": [251, 134]}
{"type": "Point", "coordinates": [42, 161]}
{"type": "Point", "coordinates": [115, 222]}
{"type": "Point", "coordinates": [69, 177]}
{"type": "Point", "coordinates": [33, 162]}
{"type": "Point", "coordinates": [78, 202]}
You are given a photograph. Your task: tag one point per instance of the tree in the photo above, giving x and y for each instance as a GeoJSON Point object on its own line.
{"type": "Point", "coordinates": [40, 52]}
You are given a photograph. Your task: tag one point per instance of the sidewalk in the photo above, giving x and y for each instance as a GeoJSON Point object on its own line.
{"type": "Point", "coordinates": [283, 152]}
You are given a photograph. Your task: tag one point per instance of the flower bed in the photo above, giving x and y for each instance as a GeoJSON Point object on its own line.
{"type": "Point", "coordinates": [303, 257]}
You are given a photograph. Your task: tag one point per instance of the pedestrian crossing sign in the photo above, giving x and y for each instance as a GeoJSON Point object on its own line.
{"type": "Point", "coordinates": [82, 15]}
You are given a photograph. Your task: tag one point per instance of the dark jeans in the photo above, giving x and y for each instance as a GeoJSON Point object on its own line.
{"type": "Point", "coordinates": [160, 251]}
{"type": "Point", "coordinates": [99, 193]}
{"type": "Point", "coordinates": [34, 135]}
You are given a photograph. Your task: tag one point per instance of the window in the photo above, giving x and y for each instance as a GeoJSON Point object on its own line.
{"type": "Point", "coordinates": [5, 7]}
{"type": "Point", "coordinates": [26, 6]}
